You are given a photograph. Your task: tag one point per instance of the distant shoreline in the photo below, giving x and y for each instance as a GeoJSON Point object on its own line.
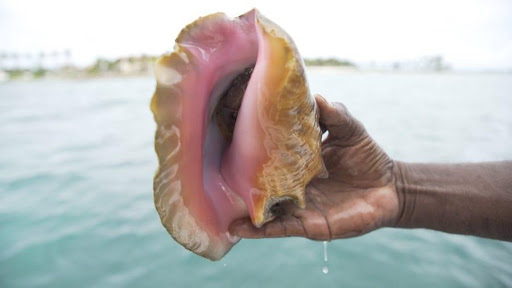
{"type": "Point", "coordinates": [349, 70]}
{"type": "Point", "coordinates": [143, 66]}
{"type": "Point", "coordinates": [309, 68]}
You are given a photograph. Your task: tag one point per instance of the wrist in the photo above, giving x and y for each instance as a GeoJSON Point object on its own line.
{"type": "Point", "coordinates": [389, 200]}
{"type": "Point", "coordinates": [405, 207]}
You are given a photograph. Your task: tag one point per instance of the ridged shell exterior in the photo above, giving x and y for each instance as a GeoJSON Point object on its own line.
{"type": "Point", "coordinates": [293, 136]}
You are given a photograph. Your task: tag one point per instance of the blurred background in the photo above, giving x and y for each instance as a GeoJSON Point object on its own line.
{"type": "Point", "coordinates": [431, 80]}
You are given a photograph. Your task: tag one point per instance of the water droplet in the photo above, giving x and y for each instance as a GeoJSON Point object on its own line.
{"type": "Point", "coordinates": [325, 269]}
{"type": "Point", "coordinates": [325, 252]}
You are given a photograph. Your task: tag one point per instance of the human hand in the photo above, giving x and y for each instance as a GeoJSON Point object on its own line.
{"type": "Point", "coordinates": [358, 196]}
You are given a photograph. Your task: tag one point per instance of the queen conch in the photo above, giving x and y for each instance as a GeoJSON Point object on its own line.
{"type": "Point", "coordinates": [237, 129]}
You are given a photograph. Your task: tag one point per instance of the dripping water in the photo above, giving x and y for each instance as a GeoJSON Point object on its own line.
{"type": "Point", "coordinates": [325, 268]}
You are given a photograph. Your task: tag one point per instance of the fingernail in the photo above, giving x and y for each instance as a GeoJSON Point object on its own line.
{"type": "Point", "coordinates": [327, 103]}
{"type": "Point", "coordinates": [320, 97]}
{"type": "Point", "coordinates": [232, 237]}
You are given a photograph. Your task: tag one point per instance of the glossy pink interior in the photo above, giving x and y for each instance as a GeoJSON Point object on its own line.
{"type": "Point", "coordinates": [216, 174]}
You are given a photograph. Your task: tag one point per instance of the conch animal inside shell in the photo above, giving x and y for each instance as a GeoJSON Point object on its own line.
{"type": "Point", "coordinates": [237, 129]}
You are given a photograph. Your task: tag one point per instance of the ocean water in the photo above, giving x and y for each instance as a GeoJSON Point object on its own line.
{"type": "Point", "coordinates": [76, 208]}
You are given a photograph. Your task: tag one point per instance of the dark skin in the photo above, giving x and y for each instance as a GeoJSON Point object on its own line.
{"type": "Point", "coordinates": [367, 190]}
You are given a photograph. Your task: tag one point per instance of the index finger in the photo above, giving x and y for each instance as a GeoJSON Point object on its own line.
{"type": "Point", "coordinates": [337, 120]}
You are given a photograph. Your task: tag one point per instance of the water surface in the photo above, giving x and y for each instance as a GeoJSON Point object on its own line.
{"type": "Point", "coordinates": [76, 167]}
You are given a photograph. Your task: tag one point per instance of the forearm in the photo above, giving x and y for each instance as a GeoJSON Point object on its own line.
{"type": "Point", "coordinates": [474, 199]}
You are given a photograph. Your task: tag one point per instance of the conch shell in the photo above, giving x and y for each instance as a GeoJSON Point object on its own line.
{"type": "Point", "coordinates": [237, 129]}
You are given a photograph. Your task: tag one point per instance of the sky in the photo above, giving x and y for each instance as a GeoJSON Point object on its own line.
{"type": "Point", "coordinates": [468, 34]}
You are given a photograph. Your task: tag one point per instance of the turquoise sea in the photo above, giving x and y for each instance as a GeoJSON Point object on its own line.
{"type": "Point", "coordinates": [76, 208]}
